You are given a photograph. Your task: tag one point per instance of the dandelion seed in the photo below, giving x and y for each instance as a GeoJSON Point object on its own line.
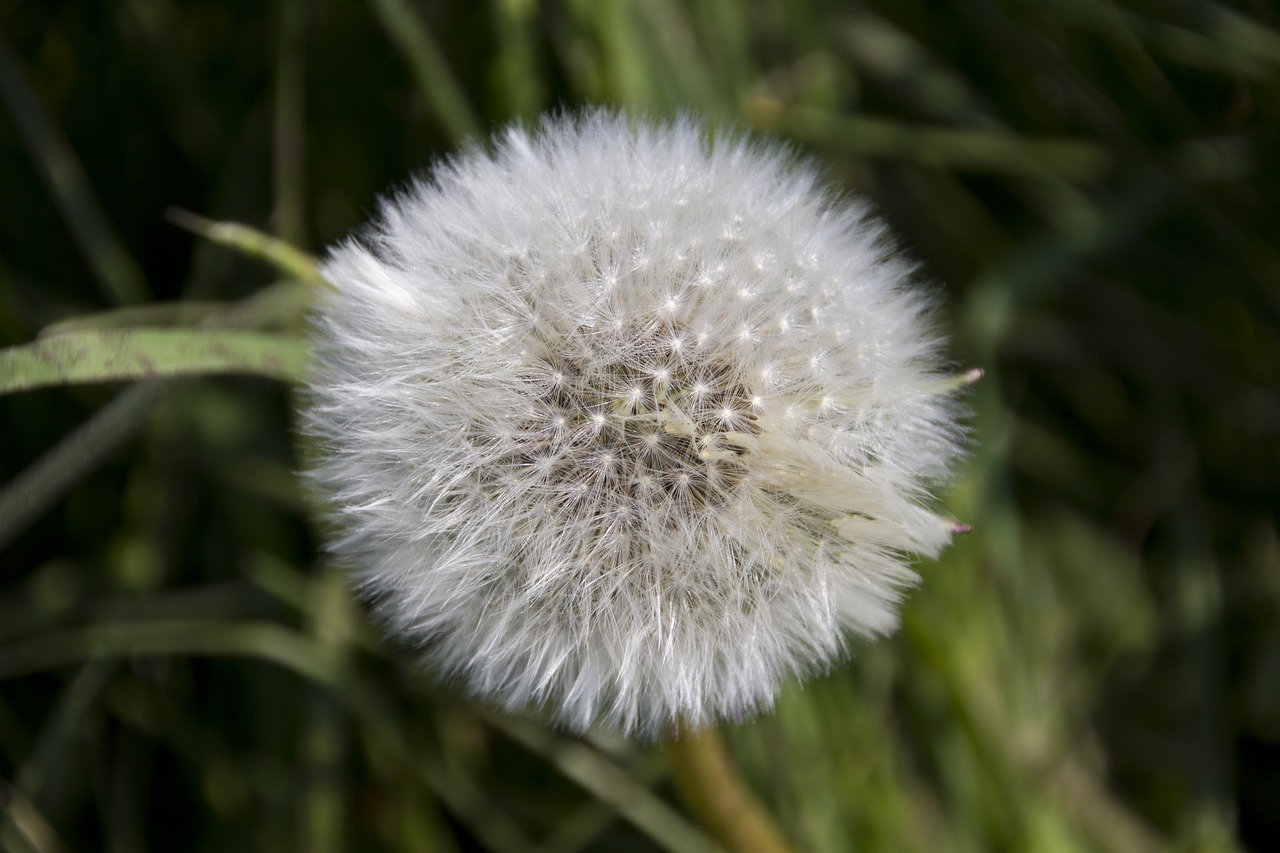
{"type": "Point", "coordinates": [642, 502]}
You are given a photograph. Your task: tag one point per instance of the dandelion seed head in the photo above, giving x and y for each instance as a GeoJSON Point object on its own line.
{"type": "Point", "coordinates": [628, 422]}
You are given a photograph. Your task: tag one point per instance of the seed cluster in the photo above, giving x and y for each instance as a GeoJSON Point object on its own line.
{"type": "Point", "coordinates": [643, 435]}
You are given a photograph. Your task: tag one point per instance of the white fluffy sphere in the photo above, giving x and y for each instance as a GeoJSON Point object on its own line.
{"type": "Point", "coordinates": [627, 421]}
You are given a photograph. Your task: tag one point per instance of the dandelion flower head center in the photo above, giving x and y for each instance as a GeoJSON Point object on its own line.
{"type": "Point", "coordinates": [651, 429]}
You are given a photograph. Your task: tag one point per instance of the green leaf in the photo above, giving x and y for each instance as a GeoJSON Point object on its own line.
{"type": "Point", "coordinates": [113, 355]}
{"type": "Point", "coordinates": [176, 314]}
{"type": "Point", "coordinates": [277, 306]}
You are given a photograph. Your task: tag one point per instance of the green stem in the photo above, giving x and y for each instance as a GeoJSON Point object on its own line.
{"type": "Point", "coordinates": [714, 791]}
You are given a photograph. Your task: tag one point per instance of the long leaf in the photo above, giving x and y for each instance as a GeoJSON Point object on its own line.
{"type": "Point", "coordinates": [105, 356]}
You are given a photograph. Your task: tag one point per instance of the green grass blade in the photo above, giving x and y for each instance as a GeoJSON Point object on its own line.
{"type": "Point", "coordinates": [69, 186]}
{"type": "Point", "coordinates": [610, 784]}
{"type": "Point", "coordinates": [260, 640]}
{"type": "Point", "coordinates": [439, 86]}
{"type": "Point", "coordinates": [282, 254]}
{"type": "Point", "coordinates": [289, 139]}
{"type": "Point", "coordinates": [28, 495]}
{"type": "Point", "coordinates": [179, 313]}
{"type": "Point", "coordinates": [106, 356]}
{"type": "Point", "coordinates": [959, 149]}
{"type": "Point", "coordinates": [281, 305]}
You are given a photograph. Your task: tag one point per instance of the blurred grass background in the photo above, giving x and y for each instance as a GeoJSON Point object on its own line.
{"type": "Point", "coordinates": [1092, 185]}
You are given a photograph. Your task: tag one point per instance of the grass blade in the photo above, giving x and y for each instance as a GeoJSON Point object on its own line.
{"type": "Point", "coordinates": [106, 356]}
{"type": "Point", "coordinates": [69, 187]}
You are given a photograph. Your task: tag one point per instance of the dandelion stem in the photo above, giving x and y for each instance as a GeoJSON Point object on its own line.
{"type": "Point", "coordinates": [711, 787]}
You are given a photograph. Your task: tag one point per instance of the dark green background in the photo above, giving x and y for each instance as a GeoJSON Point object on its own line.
{"type": "Point", "coordinates": [1091, 185]}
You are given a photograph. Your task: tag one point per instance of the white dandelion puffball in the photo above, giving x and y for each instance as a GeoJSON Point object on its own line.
{"type": "Point", "coordinates": [628, 421]}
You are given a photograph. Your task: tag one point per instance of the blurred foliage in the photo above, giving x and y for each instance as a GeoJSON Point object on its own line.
{"type": "Point", "coordinates": [1094, 187]}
